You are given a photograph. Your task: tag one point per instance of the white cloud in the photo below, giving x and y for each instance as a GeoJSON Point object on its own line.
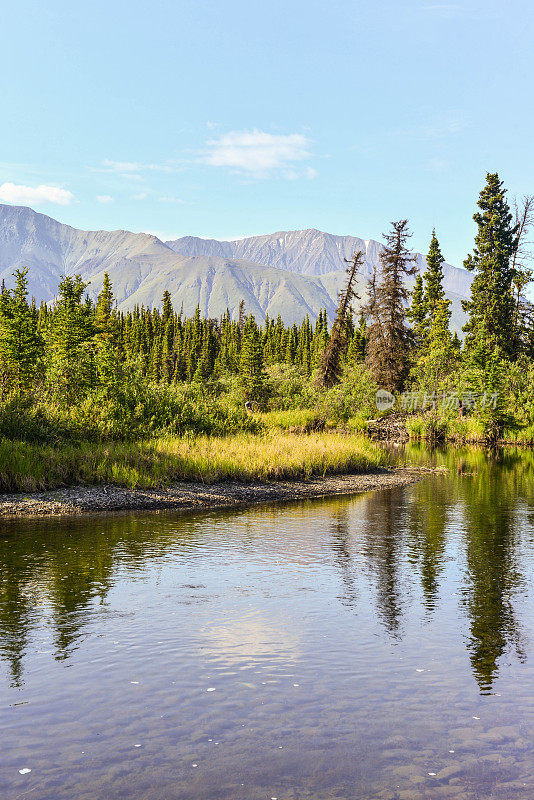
{"type": "Point", "coordinates": [258, 153]}
{"type": "Point", "coordinates": [129, 168]}
{"type": "Point", "coordinates": [119, 166]}
{"type": "Point", "coordinates": [170, 199]}
{"type": "Point", "coordinates": [19, 194]}
{"type": "Point", "coordinates": [105, 198]}
{"type": "Point", "coordinates": [140, 196]}
{"type": "Point", "coordinates": [444, 126]}
{"type": "Point", "coordinates": [130, 176]}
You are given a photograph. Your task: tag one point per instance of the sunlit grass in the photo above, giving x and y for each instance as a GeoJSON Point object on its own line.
{"type": "Point", "coordinates": [243, 457]}
{"type": "Point", "coordinates": [290, 418]}
{"type": "Point", "coordinates": [450, 427]}
{"type": "Point", "coordinates": [520, 435]}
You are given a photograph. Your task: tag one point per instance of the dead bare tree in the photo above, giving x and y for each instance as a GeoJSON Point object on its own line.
{"type": "Point", "coordinates": [330, 367]}
{"type": "Point", "coordinates": [241, 317]}
{"type": "Point", "coordinates": [524, 220]}
{"type": "Point", "coordinates": [523, 256]}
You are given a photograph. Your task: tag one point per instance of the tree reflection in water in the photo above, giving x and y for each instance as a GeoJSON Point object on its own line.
{"type": "Point", "coordinates": [478, 515]}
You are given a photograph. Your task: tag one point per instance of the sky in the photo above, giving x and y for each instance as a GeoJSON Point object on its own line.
{"type": "Point", "coordinates": [230, 119]}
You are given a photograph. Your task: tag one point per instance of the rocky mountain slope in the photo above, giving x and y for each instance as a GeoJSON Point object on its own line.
{"type": "Point", "coordinates": [291, 273]}
{"type": "Point", "coordinates": [308, 252]}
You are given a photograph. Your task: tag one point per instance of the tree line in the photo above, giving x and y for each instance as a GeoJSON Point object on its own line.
{"type": "Point", "coordinates": [77, 344]}
{"type": "Point", "coordinates": [401, 338]}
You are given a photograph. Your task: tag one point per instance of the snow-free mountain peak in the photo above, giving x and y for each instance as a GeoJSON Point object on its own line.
{"type": "Point", "coordinates": [291, 273]}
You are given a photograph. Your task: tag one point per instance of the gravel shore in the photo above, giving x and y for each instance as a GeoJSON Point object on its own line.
{"type": "Point", "coordinates": [105, 499]}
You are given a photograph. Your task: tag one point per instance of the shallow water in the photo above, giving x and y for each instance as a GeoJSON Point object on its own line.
{"type": "Point", "coordinates": [378, 646]}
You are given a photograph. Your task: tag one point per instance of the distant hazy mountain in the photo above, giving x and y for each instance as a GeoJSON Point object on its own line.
{"type": "Point", "coordinates": [51, 249]}
{"type": "Point", "coordinates": [308, 252]}
{"type": "Point", "coordinates": [291, 274]}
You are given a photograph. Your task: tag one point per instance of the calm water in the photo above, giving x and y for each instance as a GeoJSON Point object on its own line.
{"type": "Point", "coordinates": [378, 646]}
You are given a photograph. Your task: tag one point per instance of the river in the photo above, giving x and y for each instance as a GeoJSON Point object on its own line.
{"type": "Point", "coordinates": [372, 647]}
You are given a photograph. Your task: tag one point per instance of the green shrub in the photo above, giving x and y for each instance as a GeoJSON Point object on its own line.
{"type": "Point", "coordinates": [353, 397]}
{"type": "Point", "coordinates": [138, 410]}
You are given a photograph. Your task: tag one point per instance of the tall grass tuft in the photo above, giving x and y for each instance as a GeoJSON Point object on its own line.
{"type": "Point", "coordinates": [245, 457]}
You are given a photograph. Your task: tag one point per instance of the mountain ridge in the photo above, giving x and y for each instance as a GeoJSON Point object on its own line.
{"type": "Point", "coordinates": [309, 252]}
{"type": "Point", "coordinates": [291, 273]}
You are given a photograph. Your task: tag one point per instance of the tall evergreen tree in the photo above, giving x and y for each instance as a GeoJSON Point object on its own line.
{"type": "Point", "coordinates": [70, 356]}
{"type": "Point", "coordinates": [417, 314]}
{"type": "Point", "coordinates": [207, 357]}
{"type": "Point", "coordinates": [358, 344]}
{"type": "Point", "coordinates": [20, 343]}
{"type": "Point", "coordinates": [167, 309]}
{"type": "Point", "coordinates": [491, 306]}
{"type": "Point", "coordinates": [167, 355]}
{"type": "Point", "coordinates": [107, 330]}
{"type": "Point", "coordinates": [428, 298]}
{"type": "Point", "coordinates": [251, 364]}
{"type": "Point", "coordinates": [388, 348]}
{"type": "Point", "coordinates": [433, 278]}
{"type": "Point", "coordinates": [437, 357]}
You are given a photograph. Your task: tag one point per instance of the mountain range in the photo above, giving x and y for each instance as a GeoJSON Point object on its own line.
{"type": "Point", "coordinates": [291, 273]}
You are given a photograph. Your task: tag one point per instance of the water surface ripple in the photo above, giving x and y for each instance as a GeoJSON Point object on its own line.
{"type": "Point", "coordinates": [377, 647]}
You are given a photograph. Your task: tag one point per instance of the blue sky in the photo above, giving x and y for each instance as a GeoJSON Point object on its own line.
{"type": "Point", "coordinates": [235, 118]}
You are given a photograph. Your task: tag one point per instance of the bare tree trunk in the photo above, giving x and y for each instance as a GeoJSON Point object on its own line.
{"type": "Point", "coordinates": [330, 366]}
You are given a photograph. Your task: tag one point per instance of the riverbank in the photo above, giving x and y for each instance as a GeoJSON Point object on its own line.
{"type": "Point", "coordinates": [401, 427]}
{"type": "Point", "coordinates": [190, 495]}
{"type": "Point", "coordinates": [163, 461]}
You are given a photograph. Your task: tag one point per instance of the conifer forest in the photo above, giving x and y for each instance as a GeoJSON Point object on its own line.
{"type": "Point", "coordinates": [74, 371]}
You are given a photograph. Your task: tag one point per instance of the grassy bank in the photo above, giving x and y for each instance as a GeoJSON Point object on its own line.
{"type": "Point", "coordinates": [466, 430]}
{"type": "Point", "coordinates": [28, 466]}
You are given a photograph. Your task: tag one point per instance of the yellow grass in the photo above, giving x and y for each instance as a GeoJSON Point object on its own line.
{"type": "Point", "coordinates": [243, 457]}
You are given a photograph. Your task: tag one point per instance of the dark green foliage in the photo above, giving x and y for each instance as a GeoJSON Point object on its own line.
{"type": "Point", "coordinates": [70, 368]}
{"type": "Point", "coordinates": [78, 369]}
{"type": "Point", "coordinates": [416, 313]}
{"type": "Point", "coordinates": [434, 350]}
{"type": "Point", "coordinates": [433, 277]}
{"type": "Point", "coordinates": [491, 307]}
{"type": "Point", "coordinates": [251, 363]}
{"type": "Point", "coordinates": [20, 342]}
{"type": "Point", "coordinates": [390, 340]}
{"type": "Point", "coordinates": [428, 297]}
{"type": "Point", "coordinates": [107, 330]}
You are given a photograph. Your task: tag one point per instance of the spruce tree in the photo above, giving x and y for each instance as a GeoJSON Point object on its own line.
{"type": "Point", "coordinates": [251, 364]}
{"type": "Point", "coordinates": [20, 343]}
{"type": "Point", "coordinates": [167, 355]}
{"type": "Point", "coordinates": [207, 353]}
{"type": "Point", "coordinates": [104, 318]}
{"type": "Point", "coordinates": [359, 341]}
{"type": "Point", "coordinates": [456, 345]}
{"type": "Point", "coordinates": [491, 306]}
{"type": "Point", "coordinates": [388, 348]}
{"type": "Point", "coordinates": [428, 296]}
{"type": "Point", "coordinates": [433, 278]}
{"type": "Point", "coordinates": [107, 330]}
{"type": "Point", "coordinates": [417, 314]}
{"type": "Point", "coordinates": [69, 340]}
{"type": "Point", "coordinates": [167, 310]}
{"type": "Point", "coordinates": [436, 360]}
